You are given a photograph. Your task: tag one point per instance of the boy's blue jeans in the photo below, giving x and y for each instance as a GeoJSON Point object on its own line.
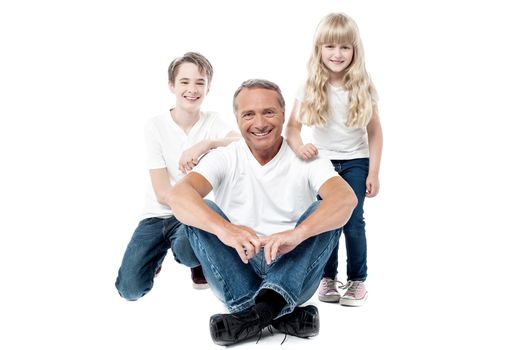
{"type": "Point", "coordinates": [295, 275]}
{"type": "Point", "coordinates": [355, 172]}
{"type": "Point", "coordinates": [146, 251]}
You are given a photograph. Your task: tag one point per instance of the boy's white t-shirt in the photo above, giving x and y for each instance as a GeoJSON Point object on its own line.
{"type": "Point", "coordinates": [334, 140]}
{"type": "Point", "coordinates": [268, 198]}
{"type": "Point", "coordinates": [166, 141]}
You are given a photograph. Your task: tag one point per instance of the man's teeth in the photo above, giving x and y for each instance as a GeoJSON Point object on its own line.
{"type": "Point", "coordinates": [261, 133]}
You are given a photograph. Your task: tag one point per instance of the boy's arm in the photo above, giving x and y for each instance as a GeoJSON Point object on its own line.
{"type": "Point", "coordinates": [375, 138]}
{"type": "Point", "coordinates": [190, 157]}
{"type": "Point", "coordinates": [293, 136]}
{"type": "Point", "coordinates": [161, 184]}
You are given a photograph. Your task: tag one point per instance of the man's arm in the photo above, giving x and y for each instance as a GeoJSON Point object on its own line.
{"type": "Point", "coordinates": [186, 201]}
{"type": "Point", "coordinates": [333, 212]}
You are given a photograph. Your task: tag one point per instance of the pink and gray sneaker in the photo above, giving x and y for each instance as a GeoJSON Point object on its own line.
{"type": "Point", "coordinates": [328, 291]}
{"type": "Point", "coordinates": [355, 295]}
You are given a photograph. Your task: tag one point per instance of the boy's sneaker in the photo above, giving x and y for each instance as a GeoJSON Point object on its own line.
{"type": "Point", "coordinates": [303, 322]}
{"type": "Point", "coordinates": [198, 278]}
{"type": "Point", "coordinates": [328, 291]}
{"type": "Point", "coordinates": [355, 295]}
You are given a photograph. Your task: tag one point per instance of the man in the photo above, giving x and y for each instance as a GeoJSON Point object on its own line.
{"type": "Point", "coordinates": [264, 245]}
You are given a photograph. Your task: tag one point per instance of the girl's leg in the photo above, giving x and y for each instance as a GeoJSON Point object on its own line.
{"type": "Point", "coordinates": [355, 172]}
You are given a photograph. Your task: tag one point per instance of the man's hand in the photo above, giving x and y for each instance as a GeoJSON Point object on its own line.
{"type": "Point", "coordinates": [280, 243]}
{"type": "Point", "coordinates": [243, 239]}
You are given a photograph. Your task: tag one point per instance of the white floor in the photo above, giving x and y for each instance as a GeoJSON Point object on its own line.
{"type": "Point", "coordinates": [419, 309]}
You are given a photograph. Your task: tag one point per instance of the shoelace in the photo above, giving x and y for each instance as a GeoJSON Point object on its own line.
{"type": "Point", "coordinates": [332, 284]}
{"type": "Point", "coordinates": [351, 286]}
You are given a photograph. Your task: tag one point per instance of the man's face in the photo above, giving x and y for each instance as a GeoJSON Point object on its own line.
{"type": "Point", "coordinates": [260, 119]}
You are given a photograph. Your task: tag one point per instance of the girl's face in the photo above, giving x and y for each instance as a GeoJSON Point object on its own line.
{"type": "Point", "coordinates": [337, 57]}
{"type": "Point", "coordinates": [190, 87]}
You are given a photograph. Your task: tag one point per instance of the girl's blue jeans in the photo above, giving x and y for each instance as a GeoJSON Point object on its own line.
{"type": "Point", "coordinates": [355, 172]}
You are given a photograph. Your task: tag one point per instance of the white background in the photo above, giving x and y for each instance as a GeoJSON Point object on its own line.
{"type": "Point", "coordinates": [78, 79]}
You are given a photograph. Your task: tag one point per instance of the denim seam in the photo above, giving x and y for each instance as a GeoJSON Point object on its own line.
{"type": "Point", "coordinates": [239, 306]}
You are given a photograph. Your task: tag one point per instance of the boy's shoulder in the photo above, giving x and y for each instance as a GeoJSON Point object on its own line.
{"type": "Point", "coordinates": [158, 119]}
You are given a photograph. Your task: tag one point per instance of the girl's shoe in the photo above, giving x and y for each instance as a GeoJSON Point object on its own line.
{"type": "Point", "coordinates": [355, 295]}
{"type": "Point", "coordinates": [328, 291]}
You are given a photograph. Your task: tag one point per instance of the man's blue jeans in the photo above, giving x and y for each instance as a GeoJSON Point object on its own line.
{"type": "Point", "coordinates": [295, 275]}
{"type": "Point", "coordinates": [146, 251]}
{"type": "Point", "coordinates": [355, 172]}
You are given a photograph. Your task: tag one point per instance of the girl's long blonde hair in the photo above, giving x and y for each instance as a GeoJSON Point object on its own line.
{"type": "Point", "coordinates": [338, 28]}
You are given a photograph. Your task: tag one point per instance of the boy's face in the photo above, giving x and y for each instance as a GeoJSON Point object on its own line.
{"type": "Point", "coordinates": [190, 87]}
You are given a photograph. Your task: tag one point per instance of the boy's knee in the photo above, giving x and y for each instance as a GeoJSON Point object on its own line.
{"type": "Point", "coordinates": [130, 290]}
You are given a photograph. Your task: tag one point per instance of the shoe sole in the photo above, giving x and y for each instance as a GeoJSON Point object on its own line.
{"type": "Point", "coordinates": [199, 286]}
{"type": "Point", "coordinates": [329, 298]}
{"type": "Point", "coordinates": [353, 302]}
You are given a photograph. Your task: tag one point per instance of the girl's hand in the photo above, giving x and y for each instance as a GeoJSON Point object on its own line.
{"type": "Point", "coordinates": [307, 152]}
{"type": "Point", "coordinates": [372, 186]}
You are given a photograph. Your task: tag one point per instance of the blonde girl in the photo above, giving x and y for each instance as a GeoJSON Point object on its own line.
{"type": "Point", "coordinates": [338, 101]}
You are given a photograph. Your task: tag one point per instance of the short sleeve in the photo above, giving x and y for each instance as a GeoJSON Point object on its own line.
{"type": "Point", "coordinates": [320, 171]}
{"type": "Point", "coordinates": [300, 93]}
{"type": "Point", "coordinates": [154, 155]}
{"type": "Point", "coordinates": [213, 167]}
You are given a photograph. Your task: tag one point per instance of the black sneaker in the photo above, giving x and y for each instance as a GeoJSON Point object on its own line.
{"type": "Point", "coordinates": [228, 329]}
{"type": "Point", "coordinates": [303, 322]}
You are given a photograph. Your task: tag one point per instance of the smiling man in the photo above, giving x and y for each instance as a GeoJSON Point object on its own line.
{"type": "Point", "coordinates": [264, 243]}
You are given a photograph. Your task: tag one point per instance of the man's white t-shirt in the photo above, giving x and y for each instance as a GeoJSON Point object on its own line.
{"type": "Point", "coordinates": [268, 198]}
{"type": "Point", "coordinates": [334, 140]}
{"type": "Point", "coordinates": [166, 141]}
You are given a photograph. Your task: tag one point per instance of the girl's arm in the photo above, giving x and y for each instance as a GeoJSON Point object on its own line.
{"type": "Point", "coordinates": [375, 136]}
{"type": "Point", "coordinates": [190, 157]}
{"type": "Point", "coordinates": [293, 136]}
{"type": "Point", "coordinates": [161, 184]}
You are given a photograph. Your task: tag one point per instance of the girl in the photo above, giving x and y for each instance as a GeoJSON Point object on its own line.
{"type": "Point", "coordinates": [339, 101]}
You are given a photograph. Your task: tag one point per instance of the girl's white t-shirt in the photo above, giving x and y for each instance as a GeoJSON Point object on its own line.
{"type": "Point", "coordinates": [334, 140]}
{"type": "Point", "coordinates": [166, 141]}
{"type": "Point", "coordinates": [268, 198]}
